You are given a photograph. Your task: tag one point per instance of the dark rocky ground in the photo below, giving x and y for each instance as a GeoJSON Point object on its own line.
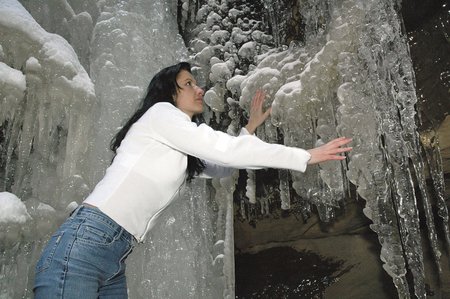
{"type": "Point", "coordinates": [344, 255]}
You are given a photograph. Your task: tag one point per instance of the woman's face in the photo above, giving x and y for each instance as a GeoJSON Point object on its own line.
{"type": "Point", "coordinates": [189, 97]}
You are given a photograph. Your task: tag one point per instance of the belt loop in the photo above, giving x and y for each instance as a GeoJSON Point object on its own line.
{"type": "Point", "coordinates": [75, 212]}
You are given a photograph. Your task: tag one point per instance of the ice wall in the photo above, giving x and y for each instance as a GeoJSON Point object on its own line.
{"type": "Point", "coordinates": [47, 102]}
{"type": "Point", "coordinates": [55, 133]}
{"type": "Point", "coordinates": [183, 256]}
{"type": "Point", "coordinates": [224, 37]}
{"type": "Point", "coordinates": [130, 43]}
{"type": "Point", "coordinates": [350, 76]}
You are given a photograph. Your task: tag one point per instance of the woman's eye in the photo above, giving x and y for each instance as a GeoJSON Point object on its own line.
{"type": "Point", "coordinates": [189, 83]}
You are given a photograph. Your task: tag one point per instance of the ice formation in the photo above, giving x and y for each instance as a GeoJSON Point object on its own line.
{"type": "Point", "coordinates": [48, 101]}
{"type": "Point", "coordinates": [13, 209]}
{"type": "Point", "coordinates": [354, 59]}
{"type": "Point", "coordinates": [57, 130]}
{"type": "Point", "coordinates": [351, 76]}
{"type": "Point", "coordinates": [56, 85]}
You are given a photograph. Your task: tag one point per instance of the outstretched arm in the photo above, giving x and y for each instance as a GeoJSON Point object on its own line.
{"type": "Point", "coordinates": [329, 151]}
{"type": "Point", "coordinates": [257, 115]}
{"type": "Point", "coordinates": [256, 118]}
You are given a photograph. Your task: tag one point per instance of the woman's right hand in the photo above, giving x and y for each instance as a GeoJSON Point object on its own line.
{"type": "Point", "coordinates": [329, 151]}
{"type": "Point", "coordinates": [257, 115]}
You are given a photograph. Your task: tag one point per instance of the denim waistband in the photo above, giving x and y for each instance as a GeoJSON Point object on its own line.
{"type": "Point", "coordinates": [95, 213]}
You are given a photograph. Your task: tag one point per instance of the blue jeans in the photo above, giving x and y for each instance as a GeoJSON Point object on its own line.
{"type": "Point", "coordinates": [85, 258]}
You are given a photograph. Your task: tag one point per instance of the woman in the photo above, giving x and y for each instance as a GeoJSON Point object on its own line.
{"type": "Point", "coordinates": [157, 150]}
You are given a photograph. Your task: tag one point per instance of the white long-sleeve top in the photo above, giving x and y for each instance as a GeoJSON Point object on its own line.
{"type": "Point", "coordinates": [150, 166]}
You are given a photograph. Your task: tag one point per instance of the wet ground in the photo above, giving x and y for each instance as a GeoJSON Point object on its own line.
{"type": "Point", "coordinates": [345, 266]}
{"type": "Point", "coordinates": [283, 272]}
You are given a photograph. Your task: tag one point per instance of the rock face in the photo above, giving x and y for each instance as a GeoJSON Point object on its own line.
{"type": "Point", "coordinates": [427, 24]}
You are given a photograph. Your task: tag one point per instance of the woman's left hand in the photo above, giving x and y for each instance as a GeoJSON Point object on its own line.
{"type": "Point", "coordinates": [257, 116]}
{"type": "Point", "coordinates": [330, 151]}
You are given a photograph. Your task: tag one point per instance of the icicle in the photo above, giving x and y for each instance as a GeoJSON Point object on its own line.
{"type": "Point", "coordinates": [432, 235]}
{"type": "Point", "coordinates": [266, 199]}
{"type": "Point", "coordinates": [434, 160]}
{"type": "Point", "coordinates": [229, 243]}
{"type": "Point", "coordinates": [243, 208]}
{"type": "Point", "coordinates": [184, 13]}
{"type": "Point", "coordinates": [13, 94]}
{"type": "Point", "coordinates": [251, 187]}
{"type": "Point", "coordinates": [382, 60]}
{"type": "Point", "coordinates": [285, 193]}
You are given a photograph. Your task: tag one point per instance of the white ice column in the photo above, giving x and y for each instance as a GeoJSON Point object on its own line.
{"type": "Point", "coordinates": [131, 41]}
{"type": "Point", "coordinates": [56, 113]}
{"type": "Point", "coordinates": [47, 111]}
{"type": "Point", "coordinates": [251, 187]}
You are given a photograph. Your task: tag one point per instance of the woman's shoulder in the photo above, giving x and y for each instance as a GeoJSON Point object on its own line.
{"type": "Point", "coordinates": [163, 106]}
{"type": "Point", "coordinates": [164, 111]}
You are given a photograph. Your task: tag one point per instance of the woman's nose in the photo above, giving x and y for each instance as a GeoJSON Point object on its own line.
{"type": "Point", "coordinates": [200, 90]}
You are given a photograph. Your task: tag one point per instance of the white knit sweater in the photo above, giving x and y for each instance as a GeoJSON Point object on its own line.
{"type": "Point", "coordinates": [150, 165]}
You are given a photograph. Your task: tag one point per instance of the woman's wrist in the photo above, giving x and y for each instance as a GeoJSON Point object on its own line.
{"type": "Point", "coordinates": [251, 129]}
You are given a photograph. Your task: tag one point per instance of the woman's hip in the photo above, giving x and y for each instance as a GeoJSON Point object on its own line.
{"type": "Point", "coordinates": [89, 245]}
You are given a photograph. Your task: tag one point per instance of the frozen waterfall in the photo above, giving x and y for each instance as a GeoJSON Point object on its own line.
{"type": "Point", "coordinates": [71, 71]}
{"type": "Point", "coordinates": [57, 120]}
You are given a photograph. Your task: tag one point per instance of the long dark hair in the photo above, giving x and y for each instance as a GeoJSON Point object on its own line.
{"type": "Point", "coordinates": [162, 88]}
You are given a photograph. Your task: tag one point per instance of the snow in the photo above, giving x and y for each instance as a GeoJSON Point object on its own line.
{"type": "Point", "coordinates": [12, 77]}
{"type": "Point", "coordinates": [13, 17]}
{"type": "Point", "coordinates": [220, 72]}
{"type": "Point", "coordinates": [13, 209]}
